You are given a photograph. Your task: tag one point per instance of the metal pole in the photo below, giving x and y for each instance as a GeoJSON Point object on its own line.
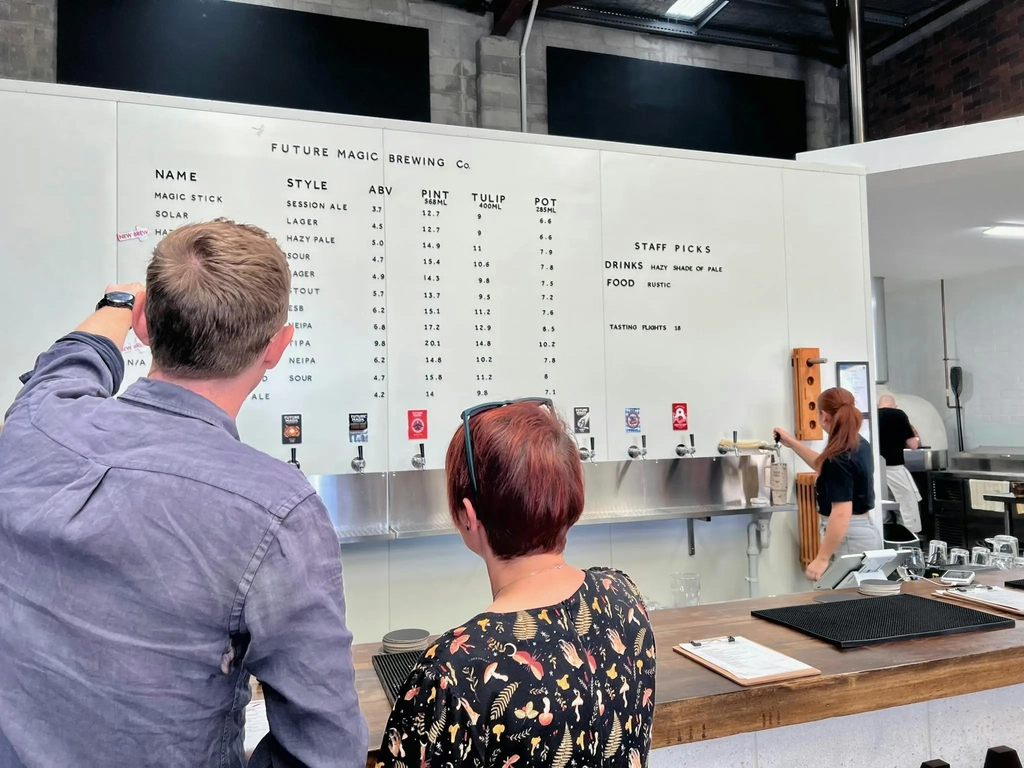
{"type": "Point", "coordinates": [522, 64]}
{"type": "Point", "coordinates": [855, 63]}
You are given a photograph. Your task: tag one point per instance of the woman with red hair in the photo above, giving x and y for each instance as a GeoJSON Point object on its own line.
{"type": "Point", "coordinates": [845, 486]}
{"type": "Point", "coordinates": [559, 669]}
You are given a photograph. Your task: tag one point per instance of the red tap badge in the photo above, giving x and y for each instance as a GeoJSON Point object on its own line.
{"type": "Point", "coordinates": [680, 419]}
{"type": "Point", "coordinates": [417, 425]}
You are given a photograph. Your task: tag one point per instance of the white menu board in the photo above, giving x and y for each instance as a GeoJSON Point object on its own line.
{"type": "Point", "coordinates": [493, 282]}
{"type": "Point", "coordinates": [316, 188]}
{"type": "Point", "coordinates": [694, 302]}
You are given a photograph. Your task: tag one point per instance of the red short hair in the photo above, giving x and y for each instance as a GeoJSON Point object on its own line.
{"type": "Point", "coordinates": [529, 474]}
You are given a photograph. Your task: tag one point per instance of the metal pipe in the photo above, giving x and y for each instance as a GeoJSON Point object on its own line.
{"type": "Point", "coordinates": [753, 551]}
{"type": "Point", "coordinates": [881, 334]}
{"type": "Point", "coordinates": [855, 63]}
{"type": "Point", "coordinates": [522, 64]}
{"type": "Point", "coordinates": [945, 350]}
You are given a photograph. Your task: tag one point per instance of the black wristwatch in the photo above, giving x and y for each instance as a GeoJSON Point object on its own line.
{"type": "Point", "coordinates": [118, 300]}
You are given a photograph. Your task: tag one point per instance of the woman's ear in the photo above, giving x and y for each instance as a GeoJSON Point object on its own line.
{"type": "Point", "coordinates": [469, 519]}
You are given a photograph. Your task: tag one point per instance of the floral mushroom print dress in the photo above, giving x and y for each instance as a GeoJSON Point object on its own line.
{"type": "Point", "coordinates": [567, 686]}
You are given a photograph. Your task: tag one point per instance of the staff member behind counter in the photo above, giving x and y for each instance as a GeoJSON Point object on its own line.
{"type": "Point", "coordinates": [559, 669]}
{"type": "Point", "coordinates": [895, 432]}
{"type": "Point", "coordinates": [845, 487]}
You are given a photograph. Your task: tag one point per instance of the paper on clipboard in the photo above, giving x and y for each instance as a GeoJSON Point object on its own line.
{"type": "Point", "coordinates": [1006, 600]}
{"type": "Point", "coordinates": [744, 660]}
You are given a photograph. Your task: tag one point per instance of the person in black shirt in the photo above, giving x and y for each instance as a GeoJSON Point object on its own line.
{"type": "Point", "coordinates": [895, 432]}
{"type": "Point", "coordinates": [845, 487]}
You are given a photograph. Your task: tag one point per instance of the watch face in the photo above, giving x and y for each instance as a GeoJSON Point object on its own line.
{"type": "Point", "coordinates": [120, 297]}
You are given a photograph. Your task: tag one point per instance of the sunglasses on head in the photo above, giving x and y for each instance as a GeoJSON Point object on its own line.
{"type": "Point", "coordinates": [476, 410]}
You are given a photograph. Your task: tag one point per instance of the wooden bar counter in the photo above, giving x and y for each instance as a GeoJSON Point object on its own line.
{"type": "Point", "coordinates": [695, 704]}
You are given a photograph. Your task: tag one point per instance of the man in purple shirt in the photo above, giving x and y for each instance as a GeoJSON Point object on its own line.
{"type": "Point", "coordinates": [149, 561]}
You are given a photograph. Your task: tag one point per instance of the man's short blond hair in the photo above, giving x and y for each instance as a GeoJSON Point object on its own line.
{"type": "Point", "coordinates": [216, 294]}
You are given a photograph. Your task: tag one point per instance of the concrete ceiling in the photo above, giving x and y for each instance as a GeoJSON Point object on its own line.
{"type": "Point", "coordinates": [926, 222]}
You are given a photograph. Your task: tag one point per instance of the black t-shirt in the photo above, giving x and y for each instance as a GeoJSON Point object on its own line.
{"type": "Point", "coordinates": [849, 476]}
{"type": "Point", "coordinates": [893, 432]}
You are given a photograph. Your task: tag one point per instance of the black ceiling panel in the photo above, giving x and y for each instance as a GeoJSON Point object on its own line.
{"type": "Point", "coordinates": [251, 54]}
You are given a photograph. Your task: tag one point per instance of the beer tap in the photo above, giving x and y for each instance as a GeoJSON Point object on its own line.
{"type": "Point", "coordinates": [588, 454]}
{"type": "Point", "coordinates": [419, 461]}
{"type": "Point", "coordinates": [641, 453]}
{"type": "Point", "coordinates": [682, 450]}
{"type": "Point", "coordinates": [359, 463]}
{"type": "Point", "coordinates": [734, 448]}
{"type": "Point", "coordinates": [294, 461]}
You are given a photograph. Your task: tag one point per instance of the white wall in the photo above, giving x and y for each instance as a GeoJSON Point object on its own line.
{"type": "Point", "coordinates": [814, 247]}
{"type": "Point", "coordinates": [984, 315]}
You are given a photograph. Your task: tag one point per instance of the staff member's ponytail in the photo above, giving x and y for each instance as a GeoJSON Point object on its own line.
{"type": "Point", "coordinates": [846, 422]}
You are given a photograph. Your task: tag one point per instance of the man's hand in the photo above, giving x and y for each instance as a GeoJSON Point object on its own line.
{"type": "Point", "coordinates": [817, 567]}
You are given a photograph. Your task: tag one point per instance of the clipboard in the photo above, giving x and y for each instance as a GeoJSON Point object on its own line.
{"type": "Point", "coordinates": [732, 657]}
{"type": "Point", "coordinates": [984, 596]}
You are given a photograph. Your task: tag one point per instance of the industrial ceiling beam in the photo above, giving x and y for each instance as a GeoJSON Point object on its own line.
{"type": "Point", "coordinates": [506, 13]}
{"type": "Point", "coordinates": [707, 34]}
{"type": "Point", "coordinates": [871, 15]}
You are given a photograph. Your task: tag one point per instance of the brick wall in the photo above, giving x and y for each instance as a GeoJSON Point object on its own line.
{"type": "Point", "coordinates": [27, 49]}
{"type": "Point", "coordinates": [474, 78]}
{"type": "Point", "coordinates": [969, 71]}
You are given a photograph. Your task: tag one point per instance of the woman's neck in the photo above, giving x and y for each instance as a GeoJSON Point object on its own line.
{"type": "Point", "coordinates": [509, 576]}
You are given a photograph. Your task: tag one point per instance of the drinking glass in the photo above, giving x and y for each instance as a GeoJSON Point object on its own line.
{"type": "Point", "coordinates": [1002, 561]}
{"type": "Point", "coordinates": [914, 562]}
{"type": "Point", "coordinates": [959, 556]}
{"type": "Point", "coordinates": [685, 589]}
{"type": "Point", "coordinates": [1005, 544]}
{"type": "Point", "coordinates": [937, 552]}
{"type": "Point", "coordinates": [980, 556]}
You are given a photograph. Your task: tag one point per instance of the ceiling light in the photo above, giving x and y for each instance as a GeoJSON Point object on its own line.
{"type": "Point", "coordinates": [1006, 230]}
{"type": "Point", "coordinates": [689, 10]}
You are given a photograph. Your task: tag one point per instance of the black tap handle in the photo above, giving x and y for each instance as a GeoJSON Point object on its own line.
{"type": "Point", "coordinates": [693, 442]}
{"type": "Point", "coordinates": [592, 444]}
{"type": "Point", "coordinates": [293, 456]}
{"type": "Point", "coordinates": [422, 454]}
{"type": "Point", "coordinates": [360, 449]}
{"type": "Point", "coordinates": [643, 440]}
{"type": "Point", "coordinates": [735, 434]}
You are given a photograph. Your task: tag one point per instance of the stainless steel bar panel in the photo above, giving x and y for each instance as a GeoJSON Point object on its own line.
{"type": "Point", "coordinates": [617, 492]}
{"type": "Point", "coordinates": [357, 504]}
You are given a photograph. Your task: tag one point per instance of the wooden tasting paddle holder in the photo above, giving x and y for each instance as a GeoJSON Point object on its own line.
{"type": "Point", "coordinates": [807, 362]}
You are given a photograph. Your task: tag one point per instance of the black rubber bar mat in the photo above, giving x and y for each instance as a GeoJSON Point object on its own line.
{"type": "Point", "coordinates": [393, 670]}
{"type": "Point", "coordinates": [855, 623]}
{"type": "Point", "coordinates": [1016, 583]}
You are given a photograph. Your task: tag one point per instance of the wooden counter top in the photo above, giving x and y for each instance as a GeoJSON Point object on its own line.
{"type": "Point", "coordinates": [695, 704]}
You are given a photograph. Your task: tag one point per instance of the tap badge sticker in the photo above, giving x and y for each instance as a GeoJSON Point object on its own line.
{"type": "Point", "coordinates": [358, 431]}
{"type": "Point", "coordinates": [581, 421]}
{"type": "Point", "coordinates": [680, 419]}
{"type": "Point", "coordinates": [633, 420]}
{"type": "Point", "coordinates": [291, 429]}
{"type": "Point", "coordinates": [417, 425]}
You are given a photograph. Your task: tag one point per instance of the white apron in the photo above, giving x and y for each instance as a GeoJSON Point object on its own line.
{"type": "Point", "coordinates": [904, 490]}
